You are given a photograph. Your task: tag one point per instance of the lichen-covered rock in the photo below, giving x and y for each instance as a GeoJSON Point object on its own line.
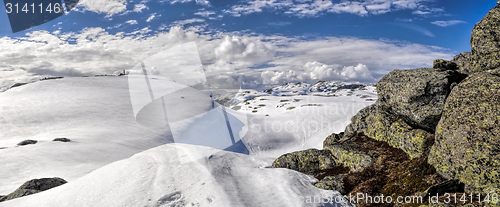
{"type": "Point", "coordinates": [386, 127]}
{"type": "Point", "coordinates": [468, 136]}
{"type": "Point", "coordinates": [377, 123]}
{"type": "Point", "coordinates": [34, 186]}
{"type": "Point", "coordinates": [308, 161]}
{"type": "Point", "coordinates": [358, 123]}
{"type": "Point", "coordinates": [417, 95]}
{"type": "Point", "coordinates": [351, 156]}
{"type": "Point", "coordinates": [463, 62]}
{"type": "Point", "coordinates": [485, 42]}
{"type": "Point", "coordinates": [335, 183]}
{"type": "Point", "coordinates": [332, 139]}
{"type": "Point", "coordinates": [442, 65]}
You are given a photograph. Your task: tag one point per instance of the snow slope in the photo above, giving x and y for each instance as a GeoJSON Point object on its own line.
{"type": "Point", "coordinates": [97, 114]}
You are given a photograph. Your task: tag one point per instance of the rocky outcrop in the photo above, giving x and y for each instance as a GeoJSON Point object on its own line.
{"type": "Point", "coordinates": [485, 42]}
{"type": "Point", "coordinates": [417, 95]}
{"type": "Point", "coordinates": [34, 186]}
{"type": "Point", "coordinates": [308, 161]}
{"type": "Point", "coordinates": [468, 135]}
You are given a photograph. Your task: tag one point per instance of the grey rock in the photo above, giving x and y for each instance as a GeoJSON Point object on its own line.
{"type": "Point", "coordinates": [463, 62]}
{"type": "Point", "coordinates": [358, 123]}
{"type": "Point", "coordinates": [34, 186]}
{"type": "Point", "coordinates": [442, 65]}
{"type": "Point", "coordinates": [307, 161]}
{"type": "Point", "coordinates": [27, 142]}
{"type": "Point", "coordinates": [485, 42]}
{"type": "Point", "coordinates": [417, 95]}
{"type": "Point", "coordinates": [332, 139]}
{"type": "Point", "coordinates": [62, 139]}
{"type": "Point", "coordinates": [467, 139]}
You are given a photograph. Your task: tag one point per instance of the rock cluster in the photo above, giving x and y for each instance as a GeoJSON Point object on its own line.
{"type": "Point", "coordinates": [431, 129]}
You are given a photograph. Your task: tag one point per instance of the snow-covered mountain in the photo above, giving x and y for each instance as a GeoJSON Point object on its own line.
{"type": "Point", "coordinates": [115, 161]}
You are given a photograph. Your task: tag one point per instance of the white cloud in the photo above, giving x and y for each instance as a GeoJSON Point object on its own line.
{"type": "Point", "coordinates": [419, 29]}
{"type": "Point", "coordinates": [308, 8]}
{"type": "Point", "coordinates": [205, 14]}
{"type": "Point", "coordinates": [132, 22]}
{"type": "Point", "coordinates": [187, 21]}
{"type": "Point", "coordinates": [447, 23]}
{"type": "Point", "coordinates": [109, 7]}
{"type": "Point", "coordinates": [200, 2]}
{"type": "Point", "coordinates": [227, 57]}
{"type": "Point", "coordinates": [150, 18]}
{"type": "Point", "coordinates": [279, 24]}
{"type": "Point", "coordinates": [140, 7]}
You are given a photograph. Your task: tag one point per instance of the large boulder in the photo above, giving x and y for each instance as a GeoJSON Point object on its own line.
{"type": "Point", "coordinates": [308, 161]}
{"type": "Point", "coordinates": [485, 42]}
{"type": "Point", "coordinates": [34, 186]}
{"type": "Point", "coordinates": [467, 139]}
{"type": "Point", "coordinates": [417, 95]}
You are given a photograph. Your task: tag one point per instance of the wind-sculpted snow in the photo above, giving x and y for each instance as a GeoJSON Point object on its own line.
{"type": "Point", "coordinates": [96, 114]}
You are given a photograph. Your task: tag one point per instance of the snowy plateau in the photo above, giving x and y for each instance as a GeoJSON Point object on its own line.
{"type": "Point", "coordinates": [115, 159]}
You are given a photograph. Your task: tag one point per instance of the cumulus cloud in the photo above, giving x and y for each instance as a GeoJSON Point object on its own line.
{"type": "Point", "coordinates": [228, 58]}
{"type": "Point", "coordinates": [109, 7]}
{"type": "Point", "coordinates": [308, 8]}
{"type": "Point", "coordinates": [447, 23]}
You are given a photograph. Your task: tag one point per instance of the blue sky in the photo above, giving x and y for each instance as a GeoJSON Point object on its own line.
{"type": "Point", "coordinates": [265, 41]}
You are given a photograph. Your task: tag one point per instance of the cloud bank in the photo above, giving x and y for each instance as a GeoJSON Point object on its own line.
{"type": "Point", "coordinates": [227, 57]}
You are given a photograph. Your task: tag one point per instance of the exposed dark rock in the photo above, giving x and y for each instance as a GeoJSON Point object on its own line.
{"type": "Point", "coordinates": [449, 186]}
{"type": "Point", "coordinates": [335, 183]}
{"type": "Point", "coordinates": [468, 135]}
{"type": "Point", "coordinates": [417, 95]}
{"type": "Point", "coordinates": [463, 62]}
{"type": "Point", "coordinates": [18, 84]}
{"type": "Point", "coordinates": [51, 78]}
{"type": "Point", "coordinates": [34, 186]}
{"type": "Point", "coordinates": [442, 65]}
{"type": "Point", "coordinates": [27, 142]}
{"type": "Point", "coordinates": [485, 42]}
{"type": "Point", "coordinates": [332, 139]}
{"type": "Point", "coordinates": [308, 161]}
{"type": "Point", "coordinates": [61, 140]}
